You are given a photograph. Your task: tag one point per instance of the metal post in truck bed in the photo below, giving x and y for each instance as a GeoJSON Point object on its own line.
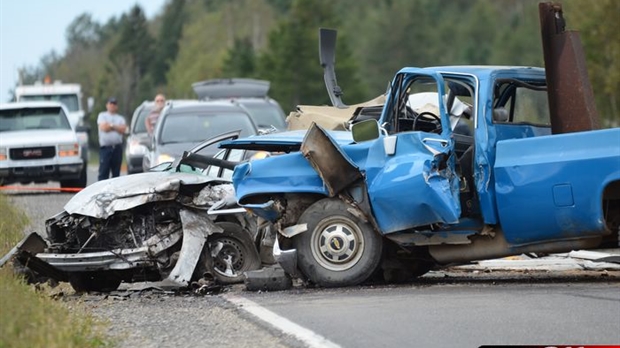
{"type": "Point", "coordinates": [571, 100]}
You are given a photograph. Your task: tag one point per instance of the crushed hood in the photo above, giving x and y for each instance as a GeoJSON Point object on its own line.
{"type": "Point", "coordinates": [282, 142]}
{"type": "Point", "coordinates": [103, 198]}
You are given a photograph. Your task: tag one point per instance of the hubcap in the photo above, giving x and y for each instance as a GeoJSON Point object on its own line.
{"type": "Point", "coordinates": [227, 257]}
{"type": "Point", "coordinates": [337, 244]}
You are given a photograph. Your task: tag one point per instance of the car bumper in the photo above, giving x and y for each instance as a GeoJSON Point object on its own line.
{"type": "Point", "coordinates": [41, 173]}
{"type": "Point", "coordinates": [99, 261]}
{"type": "Point", "coordinates": [134, 164]}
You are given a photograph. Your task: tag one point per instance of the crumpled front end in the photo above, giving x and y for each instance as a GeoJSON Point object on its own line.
{"type": "Point", "coordinates": [413, 187]}
{"type": "Point", "coordinates": [104, 198]}
{"type": "Point", "coordinates": [157, 240]}
{"type": "Point", "coordinates": [260, 186]}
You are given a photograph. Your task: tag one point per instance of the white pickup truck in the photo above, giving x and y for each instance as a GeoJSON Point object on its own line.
{"type": "Point", "coordinates": [39, 144]}
{"type": "Point", "coordinates": [70, 94]}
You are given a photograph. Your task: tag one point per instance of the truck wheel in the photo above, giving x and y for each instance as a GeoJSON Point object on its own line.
{"type": "Point", "coordinates": [94, 281]}
{"type": "Point", "coordinates": [79, 182]}
{"type": "Point", "coordinates": [231, 253]}
{"type": "Point", "coordinates": [82, 181]}
{"type": "Point", "coordinates": [338, 249]}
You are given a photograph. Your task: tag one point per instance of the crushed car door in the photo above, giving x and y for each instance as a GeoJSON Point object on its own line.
{"type": "Point", "coordinates": [416, 185]}
{"type": "Point", "coordinates": [413, 186]}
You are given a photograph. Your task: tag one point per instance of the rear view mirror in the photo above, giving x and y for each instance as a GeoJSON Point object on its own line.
{"type": "Point", "coordinates": [365, 130]}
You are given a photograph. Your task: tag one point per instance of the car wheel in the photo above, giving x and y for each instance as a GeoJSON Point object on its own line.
{"type": "Point", "coordinates": [231, 252]}
{"type": "Point", "coordinates": [338, 248]}
{"type": "Point", "coordinates": [94, 281]}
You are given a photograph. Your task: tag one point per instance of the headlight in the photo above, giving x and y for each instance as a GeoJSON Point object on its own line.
{"type": "Point", "coordinates": [135, 148]}
{"type": "Point", "coordinates": [163, 158]}
{"type": "Point", "coordinates": [3, 154]}
{"type": "Point", "coordinates": [66, 150]}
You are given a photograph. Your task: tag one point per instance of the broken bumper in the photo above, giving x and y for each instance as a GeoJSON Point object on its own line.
{"type": "Point", "coordinates": [100, 261]}
{"type": "Point", "coordinates": [287, 259]}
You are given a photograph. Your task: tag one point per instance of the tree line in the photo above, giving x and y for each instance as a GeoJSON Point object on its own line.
{"type": "Point", "coordinates": [133, 58]}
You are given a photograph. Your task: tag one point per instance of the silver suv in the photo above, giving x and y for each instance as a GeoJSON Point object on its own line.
{"type": "Point", "coordinates": [136, 137]}
{"type": "Point", "coordinates": [183, 124]}
{"type": "Point", "coordinates": [251, 95]}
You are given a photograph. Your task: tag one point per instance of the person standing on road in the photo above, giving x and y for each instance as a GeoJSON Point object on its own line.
{"type": "Point", "coordinates": [111, 130]}
{"type": "Point", "coordinates": [151, 120]}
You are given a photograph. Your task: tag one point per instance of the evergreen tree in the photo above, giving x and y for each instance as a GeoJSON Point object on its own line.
{"type": "Point", "coordinates": [131, 58]}
{"type": "Point", "coordinates": [168, 40]}
{"type": "Point", "coordinates": [600, 35]}
{"type": "Point", "coordinates": [291, 62]}
{"type": "Point", "coordinates": [241, 60]}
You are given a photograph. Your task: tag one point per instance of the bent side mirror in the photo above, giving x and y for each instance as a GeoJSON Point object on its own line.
{"type": "Point", "coordinates": [365, 130]}
{"type": "Point", "coordinates": [83, 129]}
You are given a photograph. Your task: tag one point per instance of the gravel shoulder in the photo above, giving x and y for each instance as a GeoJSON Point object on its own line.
{"type": "Point", "coordinates": [156, 320]}
{"type": "Point", "coordinates": [151, 319]}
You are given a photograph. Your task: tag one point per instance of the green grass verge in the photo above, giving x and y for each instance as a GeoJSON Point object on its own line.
{"type": "Point", "coordinates": [29, 317]}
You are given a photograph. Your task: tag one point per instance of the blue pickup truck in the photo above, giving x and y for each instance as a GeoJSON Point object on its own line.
{"type": "Point", "coordinates": [461, 163]}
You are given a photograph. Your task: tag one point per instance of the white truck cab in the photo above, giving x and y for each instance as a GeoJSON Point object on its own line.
{"type": "Point", "coordinates": [70, 94]}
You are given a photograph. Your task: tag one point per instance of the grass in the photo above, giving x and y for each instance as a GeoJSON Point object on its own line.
{"type": "Point", "coordinates": [29, 317]}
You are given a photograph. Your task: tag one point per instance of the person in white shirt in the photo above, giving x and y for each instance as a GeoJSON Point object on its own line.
{"type": "Point", "coordinates": [111, 127]}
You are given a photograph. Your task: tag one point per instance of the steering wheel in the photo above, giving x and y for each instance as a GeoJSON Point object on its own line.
{"type": "Point", "coordinates": [427, 114]}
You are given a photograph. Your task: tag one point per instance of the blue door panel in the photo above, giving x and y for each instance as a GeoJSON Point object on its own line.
{"type": "Point", "coordinates": [408, 189]}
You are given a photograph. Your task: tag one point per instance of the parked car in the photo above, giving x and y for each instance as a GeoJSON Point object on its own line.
{"type": "Point", "coordinates": [38, 144]}
{"type": "Point", "coordinates": [184, 124]}
{"type": "Point", "coordinates": [173, 224]}
{"type": "Point", "coordinates": [251, 94]}
{"type": "Point", "coordinates": [137, 136]}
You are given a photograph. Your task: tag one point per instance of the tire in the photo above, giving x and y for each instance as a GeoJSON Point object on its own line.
{"type": "Point", "coordinates": [81, 182]}
{"type": "Point", "coordinates": [94, 281]}
{"type": "Point", "coordinates": [78, 183]}
{"type": "Point", "coordinates": [231, 253]}
{"type": "Point", "coordinates": [322, 254]}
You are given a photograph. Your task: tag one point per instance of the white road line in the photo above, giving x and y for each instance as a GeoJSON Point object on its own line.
{"type": "Point", "coordinates": [309, 337]}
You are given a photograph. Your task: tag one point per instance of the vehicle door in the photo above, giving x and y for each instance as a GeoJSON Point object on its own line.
{"type": "Point", "coordinates": [409, 172]}
{"type": "Point", "coordinates": [416, 185]}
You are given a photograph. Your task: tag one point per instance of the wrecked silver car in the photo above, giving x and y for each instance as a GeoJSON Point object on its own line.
{"type": "Point", "coordinates": [174, 224]}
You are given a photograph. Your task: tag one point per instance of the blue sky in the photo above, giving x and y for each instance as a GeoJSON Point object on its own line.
{"type": "Point", "coordinates": [30, 29]}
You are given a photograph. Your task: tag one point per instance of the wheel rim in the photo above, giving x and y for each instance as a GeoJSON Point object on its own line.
{"type": "Point", "coordinates": [228, 257]}
{"type": "Point", "coordinates": [337, 244]}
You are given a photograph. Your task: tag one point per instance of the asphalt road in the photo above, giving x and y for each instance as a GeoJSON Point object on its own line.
{"type": "Point", "coordinates": [443, 309]}
{"type": "Point", "coordinates": [461, 313]}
